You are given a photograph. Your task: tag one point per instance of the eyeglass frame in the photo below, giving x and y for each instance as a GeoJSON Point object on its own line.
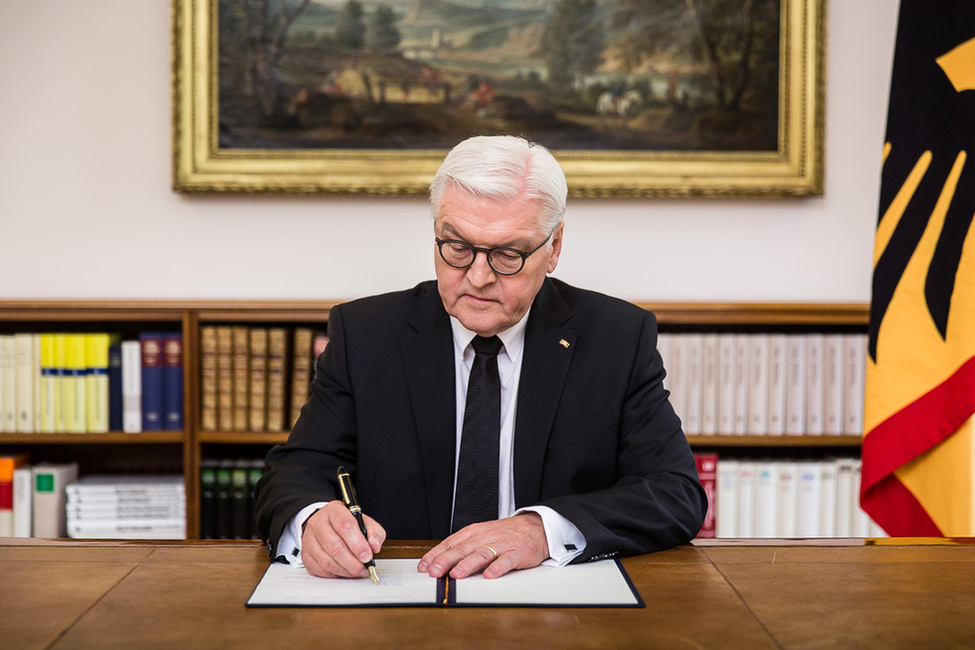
{"type": "Point", "coordinates": [487, 253]}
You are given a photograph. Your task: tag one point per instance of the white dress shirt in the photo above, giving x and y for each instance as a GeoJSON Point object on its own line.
{"type": "Point", "coordinates": [565, 541]}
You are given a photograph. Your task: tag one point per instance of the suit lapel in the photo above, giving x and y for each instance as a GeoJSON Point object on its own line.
{"type": "Point", "coordinates": [428, 359]}
{"type": "Point", "coordinates": [549, 345]}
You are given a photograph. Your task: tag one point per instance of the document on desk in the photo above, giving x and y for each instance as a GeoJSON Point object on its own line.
{"type": "Point", "coordinates": [597, 584]}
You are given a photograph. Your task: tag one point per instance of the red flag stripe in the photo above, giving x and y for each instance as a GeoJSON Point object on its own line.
{"type": "Point", "coordinates": [894, 507]}
{"type": "Point", "coordinates": [919, 426]}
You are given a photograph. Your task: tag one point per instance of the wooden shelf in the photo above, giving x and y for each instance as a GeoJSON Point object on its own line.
{"type": "Point", "coordinates": [773, 441]}
{"type": "Point", "coordinates": [187, 316]}
{"type": "Point", "coordinates": [243, 438]}
{"type": "Point", "coordinates": [114, 437]}
{"type": "Point", "coordinates": [760, 314]}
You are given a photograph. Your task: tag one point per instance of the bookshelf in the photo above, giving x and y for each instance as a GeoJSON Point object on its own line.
{"type": "Point", "coordinates": [184, 451]}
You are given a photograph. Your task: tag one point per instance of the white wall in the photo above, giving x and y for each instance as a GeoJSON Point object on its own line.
{"type": "Point", "coordinates": [86, 209]}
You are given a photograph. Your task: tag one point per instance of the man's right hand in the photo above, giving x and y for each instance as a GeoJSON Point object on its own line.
{"type": "Point", "coordinates": [332, 546]}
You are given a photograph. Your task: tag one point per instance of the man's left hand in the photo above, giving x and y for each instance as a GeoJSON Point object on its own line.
{"type": "Point", "coordinates": [493, 547]}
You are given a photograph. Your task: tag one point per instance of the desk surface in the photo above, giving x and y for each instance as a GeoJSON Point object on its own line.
{"type": "Point", "coordinates": [178, 595]}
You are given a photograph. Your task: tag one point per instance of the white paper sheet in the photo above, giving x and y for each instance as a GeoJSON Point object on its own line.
{"type": "Point", "coordinates": [399, 584]}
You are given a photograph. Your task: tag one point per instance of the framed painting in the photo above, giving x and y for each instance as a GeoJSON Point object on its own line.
{"type": "Point", "coordinates": [636, 98]}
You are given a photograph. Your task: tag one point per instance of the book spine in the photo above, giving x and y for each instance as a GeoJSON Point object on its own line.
{"type": "Point", "coordinates": [709, 384]}
{"type": "Point", "coordinates": [131, 386]}
{"type": "Point", "coordinates": [277, 359]}
{"type": "Point", "coordinates": [152, 381]}
{"type": "Point", "coordinates": [169, 529]}
{"type": "Point", "coordinates": [258, 383]}
{"type": "Point", "coordinates": [115, 386]}
{"type": "Point", "coordinates": [208, 378]}
{"type": "Point", "coordinates": [23, 502]}
{"type": "Point", "coordinates": [120, 512]}
{"type": "Point", "coordinates": [707, 472]}
{"type": "Point", "coordinates": [300, 371]}
{"type": "Point", "coordinates": [223, 501]}
{"type": "Point", "coordinates": [240, 372]}
{"type": "Point", "coordinates": [49, 380]}
{"type": "Point", "coordinates": [726, 515]}
{"type": "Point", "coordinates": [746, 498]}
{"type": "Point", "coordinates": [814, 384]}
{"type": "Point", "coordinates": [59, 343]}
{"type": "Point", "coordinates": [8, 385]}
{"type": "Point", "coordinates": [833, 384]}
{"type": "Point", "coordinates": [827, 498]}
{"type": "Point", "coordinates": [208, 499]}
{"type": "Point", "coordinates": [36, 378]}
{"type": "Point", "coordinates": [807, 500]}
{"type": "Point", "coordinates": [758, 383]}
{"type": "Point", "coordinates": [795, 385]}
{"type": "Point", "coordinates": [74, 384]}
{"type": "Point", "coordinates": [860, 524]}
{"type": "Point", "coordinates": [726, 384]}
{"type": "Point", "coordinates": [776, 384]}
{"type": "Point", "coordinates": [845, 498]}
{"type": "Point", "coordinates": [741, 383]}
{"type": "Point", "coordinates": [24, 379]}
{"type": "Point", "coordinates": [240, 516]}
{"type": "Point", "coordinates": [855, 362]}
{"type": "Point", "coordinates": [7, 466]}
{"type": "Point", "coordinates": [49, 498]}
{"type": "Point", "coordinates": [786, 496]}
{"type": "Point", "coordinates": [225, 378]}
{"type": "Point", "coordinates": [765, 496]}
{"type": "Point", "coordinates": [96, 382]}
{"type": "Point", "coordinates": [6, 508]}
{"type": "Point", "coordinates": [172, 382]}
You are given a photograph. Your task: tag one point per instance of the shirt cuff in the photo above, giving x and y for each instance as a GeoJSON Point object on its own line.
{"type": "Point", "coordinates": [565, 541]}
{"type": "Point", "coordinates": [289, 544]}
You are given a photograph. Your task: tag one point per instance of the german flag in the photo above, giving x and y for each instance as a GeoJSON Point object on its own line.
{"type": "Point", "coordinates": [919, 434]}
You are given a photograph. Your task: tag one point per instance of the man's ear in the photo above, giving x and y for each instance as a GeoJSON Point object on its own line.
{"type": "Point", "coordinates": [553, 258]}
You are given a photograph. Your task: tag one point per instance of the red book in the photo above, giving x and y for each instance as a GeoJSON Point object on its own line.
{"type": "Point", "coordinates": [152, 380]}
{"type": "Point", "coordinates": [7, 466]}
{"type": "Point", "coordinates": [707, 468]}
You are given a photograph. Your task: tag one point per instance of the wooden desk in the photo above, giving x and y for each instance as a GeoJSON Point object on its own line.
{"type": "Point", "coordinates": [192, 595]}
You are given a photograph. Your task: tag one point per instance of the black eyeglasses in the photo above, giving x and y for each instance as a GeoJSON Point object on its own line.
{"type": "Point", "coordinates": [503, 260]}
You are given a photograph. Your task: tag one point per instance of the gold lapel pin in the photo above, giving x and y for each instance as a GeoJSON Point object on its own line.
{"type": "Point", "coordinates": [564, 343]}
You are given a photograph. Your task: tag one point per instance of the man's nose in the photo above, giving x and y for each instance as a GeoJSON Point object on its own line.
{"type": "Point", "coordinates": [480, 272]}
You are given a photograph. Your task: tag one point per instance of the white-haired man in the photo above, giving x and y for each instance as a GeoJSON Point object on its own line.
{"type": "Point", "coordinates": [586, 457]}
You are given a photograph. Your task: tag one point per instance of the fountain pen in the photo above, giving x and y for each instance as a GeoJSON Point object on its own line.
{"type": "Point", "coordinates": [352, 503]}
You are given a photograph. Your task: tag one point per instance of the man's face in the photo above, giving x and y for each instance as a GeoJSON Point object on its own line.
{"type": "Point", "coordinates": [482, 300]}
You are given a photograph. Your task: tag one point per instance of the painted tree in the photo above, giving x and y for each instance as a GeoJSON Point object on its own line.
{"type": "Point", "coordinates": [350, 31]}
{"type": "Point", "coordinates": [382, 34]}
{"type": "Point", "coordinates": [258, 30]}
{"type": "Point", "coordinates": [573, 43]}
{"type": "Point", "coordinates": [734, 41]}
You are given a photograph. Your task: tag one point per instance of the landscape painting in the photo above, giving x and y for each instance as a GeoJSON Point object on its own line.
{"type": "Point", "coordinates": [636, 97]}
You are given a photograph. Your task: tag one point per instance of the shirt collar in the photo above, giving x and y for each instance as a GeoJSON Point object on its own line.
{"type": "Point", "coordinates": [512, 338]}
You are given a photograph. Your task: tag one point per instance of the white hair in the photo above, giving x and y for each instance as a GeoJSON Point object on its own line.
{"type": "Point", "coordinates": [504, 168]}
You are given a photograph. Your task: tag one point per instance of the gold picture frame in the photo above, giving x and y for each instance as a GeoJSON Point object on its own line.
{"type": "Point", "coordinates": [792, 166]}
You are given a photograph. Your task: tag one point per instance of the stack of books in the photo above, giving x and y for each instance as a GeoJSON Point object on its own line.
{"type": "Point", "coordinates": [255, 378]}
{"type": "Point", "coordinates": [91, 383]}
{"type": "Point", "coordinates": [783, 498]}
{"type": "Point", "coordinates": [127, 507]}
{"type": "Point", "coordinates": [227, 497]}
{"type": "Point", "coordinates": [766, 384]}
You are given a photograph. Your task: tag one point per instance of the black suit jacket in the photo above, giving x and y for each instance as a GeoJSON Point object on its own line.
{"type": "Point", "coordinates": [595, 436]}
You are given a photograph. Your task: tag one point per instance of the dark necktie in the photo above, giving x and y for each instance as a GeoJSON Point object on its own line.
{"type": "Point", "coordinates": [477, 469]}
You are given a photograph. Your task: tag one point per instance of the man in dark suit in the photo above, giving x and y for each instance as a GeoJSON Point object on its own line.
{"type": "Point", "coordinates": [591, 461]}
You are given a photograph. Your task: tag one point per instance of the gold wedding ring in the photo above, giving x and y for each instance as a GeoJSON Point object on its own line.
{"type": "Point", "coordinates": [493, 551]}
